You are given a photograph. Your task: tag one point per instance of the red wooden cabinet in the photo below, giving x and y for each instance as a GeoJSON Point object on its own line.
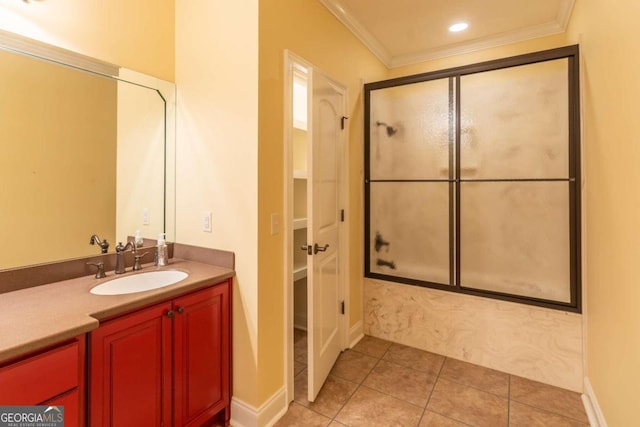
{"type": "Point", "coordinates": [130, 370]}
{"type": "Point", "coordinates": [201, 356]}
{"type": "Point", "coordinates": [54, 377]}
{"type": "Point", "coordinates": [166, 365]}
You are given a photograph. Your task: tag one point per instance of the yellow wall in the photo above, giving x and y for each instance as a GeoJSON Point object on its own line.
{"type": "Point", "coordinates": [133, 34]}
{"type": "Point", "coordinates": [309, 30]}
{"type": "Point", "coordinates": [217, 154]}
{"type": "Point", "coordinates": [611, 103]}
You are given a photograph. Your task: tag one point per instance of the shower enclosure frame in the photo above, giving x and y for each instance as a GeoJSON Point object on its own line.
{"type": "Point", "coordinates": [454, 75]}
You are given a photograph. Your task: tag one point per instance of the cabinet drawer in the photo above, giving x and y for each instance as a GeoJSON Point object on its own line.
{"type": "Point", "coordinates": [71, 402]}
{"type": "Point", "coordinates": [40, 377]}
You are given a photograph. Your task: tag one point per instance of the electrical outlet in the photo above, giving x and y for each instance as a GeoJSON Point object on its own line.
{"type": "Point", "coordinates": [206, 221]}
{"type": "Point", "coordinates": [275, 223]}
{"type": "Point", "coordinates": [145, 216]}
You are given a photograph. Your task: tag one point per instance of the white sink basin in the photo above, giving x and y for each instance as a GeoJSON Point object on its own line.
{"type": "Point", "coordinates": [140, 282]}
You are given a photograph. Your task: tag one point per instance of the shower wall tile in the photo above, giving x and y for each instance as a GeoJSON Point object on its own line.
{"type": "Point", "coordinates": [533, 342]}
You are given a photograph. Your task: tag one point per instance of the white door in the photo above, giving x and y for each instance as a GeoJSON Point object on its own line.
{"type": "Point", "coordinates": [323, 212]}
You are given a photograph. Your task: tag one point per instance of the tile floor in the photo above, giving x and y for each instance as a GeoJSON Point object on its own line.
{"type": "Point", "coordinates": [379, 383]}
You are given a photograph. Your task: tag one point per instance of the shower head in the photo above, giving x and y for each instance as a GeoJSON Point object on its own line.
{"type": "Point", "coordinates": [390, 129]}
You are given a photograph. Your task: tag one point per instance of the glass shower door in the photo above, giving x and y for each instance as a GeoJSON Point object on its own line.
{"type": "Point", "coordinates": [472, 179]}
{"type": "Point", "coordinates": [410, 185]}
{"type": "Point", "coordinates": [515, 181]}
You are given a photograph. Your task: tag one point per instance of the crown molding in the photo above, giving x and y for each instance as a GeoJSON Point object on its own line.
{"type": "Point", "coordinates": [502, 39]}
{"type": "Point", "coordinates": [344, 15]}
{"type": "Point", "coordinates": [340, 11]}
{"type": "Point", "coordinates": [564, 13]}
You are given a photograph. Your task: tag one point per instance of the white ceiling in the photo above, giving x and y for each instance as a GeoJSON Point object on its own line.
{"type": "Point", "coordinates": [403, 32]}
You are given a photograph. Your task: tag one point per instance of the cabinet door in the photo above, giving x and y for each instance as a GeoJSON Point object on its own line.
{"type": "Point", "coordinates": [201, 355]}
{"type": "Point", "coordinates": [130, 370]}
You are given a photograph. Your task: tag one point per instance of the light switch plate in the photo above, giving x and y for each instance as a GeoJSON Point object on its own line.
{"type": "Point", "coordinates": [206, 222]}
{"type": "Point", "coordinates": [275, 223]}
{"type": "Point", "coordinates": [145, 216]}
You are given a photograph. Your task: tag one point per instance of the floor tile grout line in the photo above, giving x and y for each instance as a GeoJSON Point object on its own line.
{"type": "Point", "coordinates": [342, 406]}
{"type": "Point", "coordinates": [433, 389]}
{"type": "Point", "coordinates": [435, 382]}
{"type": "Point", "coordinates": [422, 371]}
{"type": "Point", "coordinates": [389, 395]}
{"type": "Point", "coordinates": [450, 418]}
{"type": "Point", "coordinates": [346, 401]}
{"type": "Point", "coordinates": [424, 410]}
{"type": "Point", "coordinates": [370, 371]}
{"type": "Point", "coordinates": [509, 401]}
{"type": "Point", "coordinates": [475, 388]}
{"type": "Point", "coordinates": [546, 411]}
{"type": "Point", "coordinates": [345, 404]}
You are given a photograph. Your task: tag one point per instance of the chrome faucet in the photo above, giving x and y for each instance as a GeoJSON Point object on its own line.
{"type": "Point", "coordinates": [120, 250]}
{"type": "Point", "coordinates": [104, 245]}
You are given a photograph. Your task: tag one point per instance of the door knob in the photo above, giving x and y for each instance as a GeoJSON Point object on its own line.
{"type": "Point", "coordinates": [317, 248]}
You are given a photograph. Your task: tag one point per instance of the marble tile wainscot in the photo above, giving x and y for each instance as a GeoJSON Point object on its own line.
{"type": "Point", "coordinates": [537, 343]}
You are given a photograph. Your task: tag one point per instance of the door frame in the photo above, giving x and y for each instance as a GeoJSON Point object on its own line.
{"type": "Point", "coordinates": [292, 62]}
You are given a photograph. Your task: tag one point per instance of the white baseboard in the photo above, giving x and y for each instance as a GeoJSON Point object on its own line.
{"type": "Point", "coordinates": [591, 406]}
{"type": "Point", "coordinates": [355, 334]}
{"type": "Point", "coordinates": [245, 415]}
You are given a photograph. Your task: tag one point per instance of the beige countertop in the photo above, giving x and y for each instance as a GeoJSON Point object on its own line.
{"type": "Point", "coordinates": [41, 316]}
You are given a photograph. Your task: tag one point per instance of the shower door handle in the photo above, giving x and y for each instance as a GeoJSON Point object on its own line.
{"type": "Point", "coordinates": [317, 248]}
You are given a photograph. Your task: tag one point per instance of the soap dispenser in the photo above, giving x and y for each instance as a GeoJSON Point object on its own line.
{"type": "Point", "coordinates": [138, 239]}
{"type": "Point", "coordinates": [162, 253]}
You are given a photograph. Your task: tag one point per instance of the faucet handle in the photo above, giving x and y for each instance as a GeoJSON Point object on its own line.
{"type": "Point", "coordinates": [100, 274]}
{"type": "Point", "coordinates": [136, 261]}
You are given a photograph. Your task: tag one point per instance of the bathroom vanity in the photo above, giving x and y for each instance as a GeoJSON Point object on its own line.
{"type": "Point", "coordinates": [157, 357]}
{"type": "Point", "coordinates": [184, 343]}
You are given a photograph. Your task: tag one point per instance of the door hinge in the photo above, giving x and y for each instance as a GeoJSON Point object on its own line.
{"type": "Point", "coordinates": [342, 307]}
{"type": "Point", "coordinates": [341, 215]}
{"type": "Point", "coordinates": [342, 119]}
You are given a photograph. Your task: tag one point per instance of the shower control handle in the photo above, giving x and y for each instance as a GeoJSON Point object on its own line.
{"type": "Point", "coordinates": [317, 248]}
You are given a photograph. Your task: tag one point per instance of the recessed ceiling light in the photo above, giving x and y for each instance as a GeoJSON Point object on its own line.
{"type": "Point", "coordinates": [457, 27]}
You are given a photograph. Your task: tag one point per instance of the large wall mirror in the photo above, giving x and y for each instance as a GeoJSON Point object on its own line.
{"type": "Point", "coordinates": [87, 148]}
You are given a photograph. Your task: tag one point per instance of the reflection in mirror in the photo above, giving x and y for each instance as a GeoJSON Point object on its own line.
{"type": "Point", "coordinates": [83, 154]}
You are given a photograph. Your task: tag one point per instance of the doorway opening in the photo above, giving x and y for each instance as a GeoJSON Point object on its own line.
{"type": "Point", "coordinates": [315, 227]}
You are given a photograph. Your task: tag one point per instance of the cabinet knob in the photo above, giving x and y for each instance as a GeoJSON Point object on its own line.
{"type": "Point", "coordinates": [180, 310]}
{"type": "Point", "coordinates": [170, 313]}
